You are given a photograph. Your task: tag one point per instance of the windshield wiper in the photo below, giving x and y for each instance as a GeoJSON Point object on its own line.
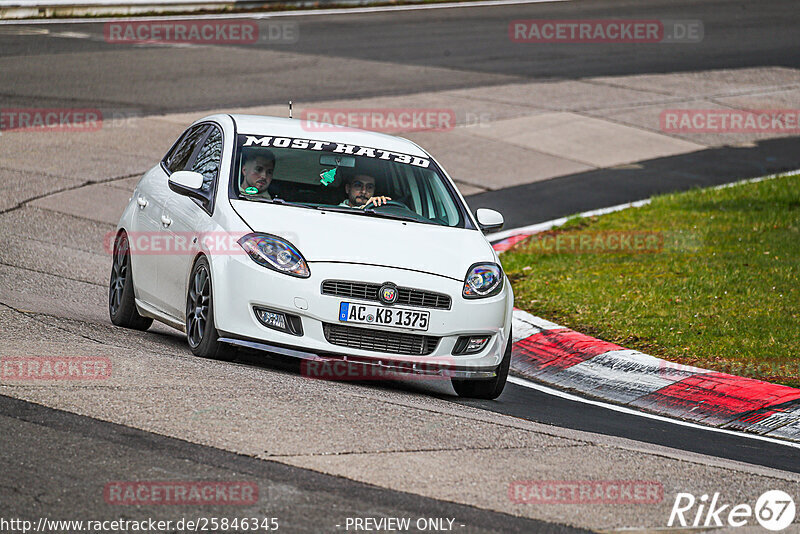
{"type": "Point", "coordinates": [339, 209]}
{"type": "Point", "coordinates": [289, 203]}
{"type": "Point", "coordinates": [275, 201]}
{"type": "Point", "coordinates": [369, 212]}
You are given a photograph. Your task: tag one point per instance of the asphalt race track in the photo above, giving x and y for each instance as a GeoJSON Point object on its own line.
{"type": "Point", "coordinates": [323, 452]}
{"type": "Point", "coordinates": [413, 51]}
{"type": "Point", "coordinates": [81, 448]}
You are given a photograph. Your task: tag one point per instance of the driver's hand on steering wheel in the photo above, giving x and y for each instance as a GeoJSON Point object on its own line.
{"type": "Point", "coordinates": [378, 201]}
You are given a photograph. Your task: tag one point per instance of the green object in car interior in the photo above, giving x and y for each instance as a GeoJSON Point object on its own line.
{"type": "Point", "coordinates": [327, 177]}
{"type": "Point", "coordinates": [251, 191]}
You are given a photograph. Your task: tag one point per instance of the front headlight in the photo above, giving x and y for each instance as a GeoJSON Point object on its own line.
{"type": "Point", "coordinates": [276, 254]}
{"type": "Point", "coordinates": [483, 280]}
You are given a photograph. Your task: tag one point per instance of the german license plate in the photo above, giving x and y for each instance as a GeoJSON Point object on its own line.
{"type": "Point", "coordinates": [350, 312]}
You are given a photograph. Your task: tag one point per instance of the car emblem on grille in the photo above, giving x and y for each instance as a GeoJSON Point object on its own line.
{"type": "Point", "coordinates": [388, 293]}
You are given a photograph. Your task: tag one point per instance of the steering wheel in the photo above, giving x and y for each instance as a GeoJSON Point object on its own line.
{"type": "Point", "coordinates": [387, 203]}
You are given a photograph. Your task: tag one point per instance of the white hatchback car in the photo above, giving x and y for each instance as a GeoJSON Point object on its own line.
{"type": "Point", "coordinates": [322, 243]}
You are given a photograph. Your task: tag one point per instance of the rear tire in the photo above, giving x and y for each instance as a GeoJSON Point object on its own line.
{"type": "Point", "coordinates": [201, 333]}
{"type": "Point", "coordinates": [121, 301]}
{"type": "Point", "coordinates": [486, 389]}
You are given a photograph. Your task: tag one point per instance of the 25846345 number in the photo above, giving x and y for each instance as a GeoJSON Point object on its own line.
{"type": "Point", "coordinates": [243, 524]}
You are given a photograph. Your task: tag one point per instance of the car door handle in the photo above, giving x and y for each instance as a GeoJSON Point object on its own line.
{"type": "Point", "coordinates": [166, 221]}
{"type": "Point", "coordinates": [142, 202]}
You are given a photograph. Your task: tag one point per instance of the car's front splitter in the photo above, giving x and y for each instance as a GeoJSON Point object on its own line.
{"type": "Point", "coordinates": [383, 367]}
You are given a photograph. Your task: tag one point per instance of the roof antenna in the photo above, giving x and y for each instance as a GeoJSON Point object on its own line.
{"type": "Point", "coordinates": [290, 109]}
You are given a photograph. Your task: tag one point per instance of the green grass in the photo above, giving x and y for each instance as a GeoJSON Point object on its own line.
{"type": "Point", "coordinates": [721, 290]}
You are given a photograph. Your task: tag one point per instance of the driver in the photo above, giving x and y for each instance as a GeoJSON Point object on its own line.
{"type": "Point", "coordinates": [258, 167]}
{"type": "Point", "coordinates": [359, 189]}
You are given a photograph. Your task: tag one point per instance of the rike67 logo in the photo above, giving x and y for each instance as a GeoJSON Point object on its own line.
{"type": "Point", "coordinates": [774, 510]}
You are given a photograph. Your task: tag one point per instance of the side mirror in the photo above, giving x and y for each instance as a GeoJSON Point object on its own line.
{"type": "Point", "coordinates": [489, 220]}
{"type": "Point", "coordinates": [188, 183]}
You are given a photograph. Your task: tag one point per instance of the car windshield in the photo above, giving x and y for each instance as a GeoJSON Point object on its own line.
{"type": "Point", "coordinates": [330, 175]}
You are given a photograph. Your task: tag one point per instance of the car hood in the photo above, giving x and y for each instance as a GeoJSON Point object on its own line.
{"type": "Point", "coordinates": [326, 236]}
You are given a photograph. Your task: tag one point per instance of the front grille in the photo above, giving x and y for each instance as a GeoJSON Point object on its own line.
{"type": "Point", "coordinates": [405, 295]}
{"type": "Point", "coordinates": [357, 290]}
{"type": "Point", "coordinates": [424, 299]}
{"type": "Point", "coordinates": [379, 340]}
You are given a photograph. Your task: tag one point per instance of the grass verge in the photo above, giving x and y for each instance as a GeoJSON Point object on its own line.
{"type": "Point", "coordinates": [710, 277]}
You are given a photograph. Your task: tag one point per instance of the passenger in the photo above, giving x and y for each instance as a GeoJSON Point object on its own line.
{"type": "Point", "coordinates": [359, 189]}
{"type": "Point", "coordinates": [258, 167]}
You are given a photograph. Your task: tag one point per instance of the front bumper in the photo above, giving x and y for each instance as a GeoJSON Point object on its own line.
{"type": "Point", "coordinates": [239, 285]}
{"type": "Point", "coordinates": [381, 367]}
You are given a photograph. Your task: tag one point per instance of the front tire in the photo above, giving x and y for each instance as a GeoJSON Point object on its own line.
{"type": "Point", "coordinates": [121, 301]}
{"type": "Point", "coordinates": [486, 389]}
{"type": "Point", "coordinates": [201, 333]}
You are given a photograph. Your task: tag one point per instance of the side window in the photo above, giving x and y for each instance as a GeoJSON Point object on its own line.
{"type": "Point", "coordinates": [180, 155]}
{"type": "Point", "coordinates": [209, 158]}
